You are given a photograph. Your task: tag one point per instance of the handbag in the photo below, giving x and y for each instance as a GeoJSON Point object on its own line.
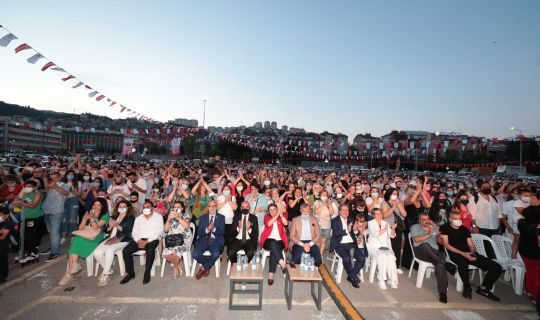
{"type": "Point", "coordinates": [400, 223]}
{"type": "Point", "coordinates": [174, 240]}
{"type": "Point", "coordinates": [88, 233]}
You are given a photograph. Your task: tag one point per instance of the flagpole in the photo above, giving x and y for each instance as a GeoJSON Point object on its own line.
{"type": "Point", "coordinates": [204, 100]}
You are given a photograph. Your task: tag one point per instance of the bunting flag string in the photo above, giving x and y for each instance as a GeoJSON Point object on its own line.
{"type": "Point", "coordinates": [9, 37]}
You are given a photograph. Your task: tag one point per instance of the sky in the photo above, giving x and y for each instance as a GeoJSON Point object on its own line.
{"type": "Point", "coordinates": [342, 66]}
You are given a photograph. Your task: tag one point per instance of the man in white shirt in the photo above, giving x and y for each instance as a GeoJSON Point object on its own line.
{"type": "Point", "coordinates": [146, 234]}
{"type": "Point", "coordinates": [136, 183]}
{"type": "Point", "coordinates": [343, 241]}
{"type": "Point", "coordinates": [487, 214]}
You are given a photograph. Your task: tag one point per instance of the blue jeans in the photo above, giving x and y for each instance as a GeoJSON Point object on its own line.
{"type": "Point", "coordinates": [71, 215]}
{"type": "Point", "coordinates": [54, 223]}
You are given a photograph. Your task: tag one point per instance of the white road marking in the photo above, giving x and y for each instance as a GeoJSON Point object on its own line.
{"type": "Point", "coordinates": [462, 315]}
{"type": "Point", "coordinates": [43, 279]}
{"type": "Point", "coordinates": [31, 273]}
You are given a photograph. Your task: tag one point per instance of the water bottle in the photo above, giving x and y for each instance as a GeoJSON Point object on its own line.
{"type": "Point", "coordinates": [303, 261]}
{"type": "Point", "coordinates": [238, 262]}
{"type": "Point", "coordinates": [311, 264]}
{"type": "Point", "coordinates": [245, 266]}
{"type": "Point", "coordinates": [253, 264]}
{"type": "Point", "coordinates": [257, 257]}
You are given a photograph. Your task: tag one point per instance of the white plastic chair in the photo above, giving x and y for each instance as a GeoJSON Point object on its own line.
{"type": "Point", "coordinates": [90, 265]}
{"type": "Point", "coordinates": [186, 256]}
{"type": "Point", "coordinates": [479, 242]}
{"type": "Point", "coordinates": [339, 270]}
{"type": "Point", "coordinates": [503, 251]}
{"type": "Point", "coordinates": [142, 260]}
{"type": "Point", "coordinates": [459, 282]}
{"type": "Point", "coordinates": [229, 263]}
{"type": "Point", "coordinates": [266, 254]}
{"type": "Point", "coordinates": [217, 265]}
{"type": "Point", "coordinates": [423, 266]}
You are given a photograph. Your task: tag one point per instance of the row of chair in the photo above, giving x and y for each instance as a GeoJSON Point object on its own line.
{"type": "Point", "coordinates": [502, 246]}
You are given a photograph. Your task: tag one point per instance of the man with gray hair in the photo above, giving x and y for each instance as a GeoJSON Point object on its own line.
{"type": "Point", "coordinates": [305, 234]}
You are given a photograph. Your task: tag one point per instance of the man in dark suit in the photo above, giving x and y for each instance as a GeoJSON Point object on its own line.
{"type": "Point", "coordinates": [343, 241]}
{"type": "Point", "coordinates": [305, 236]}
{"type": "Point", "coordinates": [244, 234]}
{"type": "Point", "coordinates": [211, 237]}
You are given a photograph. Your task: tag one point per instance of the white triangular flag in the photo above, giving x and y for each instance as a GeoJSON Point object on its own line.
{"type": "Point", "coordinates": [33, 59]}
{"type": "Point", "coordinates": [5, 40]}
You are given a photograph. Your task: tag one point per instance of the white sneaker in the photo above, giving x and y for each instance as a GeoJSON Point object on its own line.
{"type": "Point", "coordinates": [399, 271]}
{"type": "Point", "coordinates": [382, 285]}
{"type": "Point", "coordinates": [393, 285]}
{"type": "Point", "coordinates": [65, 280]}
{"type": "Point", "coordinates": [62, 241]}
{"type": "Point", "coordinates": [76, 268]}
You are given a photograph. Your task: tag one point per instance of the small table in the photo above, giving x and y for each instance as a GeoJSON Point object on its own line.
{"type": "Point", "coordinates": [295, 274]}
{"type": "Point", "coordinates": [246, 277]}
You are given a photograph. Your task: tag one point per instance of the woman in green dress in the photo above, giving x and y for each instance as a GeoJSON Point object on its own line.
{"type": "Point", "coordinates": [82, 247]}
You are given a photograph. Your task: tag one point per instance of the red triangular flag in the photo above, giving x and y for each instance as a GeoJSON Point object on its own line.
{"type": "Point", "coordinates": [22, 47]}
{"type": "Point", "coordinates": [68, 77]}
{"type": "Point", "coordinates": [123, 108]}
{"type": "Point", "coordinates": [100, 97]}
{"type": "Point", "coordinates": [112, 103]}
{"type": "Point", "coordinates": [48, 65]}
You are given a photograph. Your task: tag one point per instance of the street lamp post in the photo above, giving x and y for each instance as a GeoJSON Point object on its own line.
{"type": "Point", "coordinates": [204, 100]}
{"type": "Point", "coordinates": [520, 147]}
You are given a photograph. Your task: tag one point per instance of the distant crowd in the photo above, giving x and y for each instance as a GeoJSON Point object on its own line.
{"type": "Point", "coordinates": [208, 212]}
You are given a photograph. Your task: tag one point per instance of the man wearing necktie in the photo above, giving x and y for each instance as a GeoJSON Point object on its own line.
{"type": "Point", "coordinates": [245, 234]}
{"type": "Point", "coordinates": [211, 237]}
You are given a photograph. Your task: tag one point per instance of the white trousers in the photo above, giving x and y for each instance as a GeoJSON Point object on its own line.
{"type": "Point", "coordinates": [104, 254]}
{"type": "Point", "coordinates": [386, 263]}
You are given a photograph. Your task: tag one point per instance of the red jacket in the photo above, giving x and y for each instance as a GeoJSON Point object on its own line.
{"type": "Point", "coordinates": [268, 230]}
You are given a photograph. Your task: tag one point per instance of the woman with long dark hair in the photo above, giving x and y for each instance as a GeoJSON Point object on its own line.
{"type": "Point", "coordinates": [83, 246]}
{"type": "Point", "coordinates": [71, 206]}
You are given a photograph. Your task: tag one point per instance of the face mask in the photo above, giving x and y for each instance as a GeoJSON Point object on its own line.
{"type": "Point", "coordinates": [358, 189]}
{"type": "Point", "coordinates": [526, 199]}
{"type": "Point", "coordinates": [95, 184]}
{"type": "Point", "coordinates": [226, 192]}
{"type": "Point", "coordinates": [28, 189]}
{"type": "Point", "coordinates": [457, 223]}
{"type": "Point", "coordinates": [102, 197]}
{"type": "Point", "coordinates": [267, 182]}
{"type": "Point", "coordinates": [464, 201]}
{"type": "Point", "coordinates": [245, 211]}
{"type": "Point", "coordinates": [156, 180]}
{"type": "Point", "coordinates": [86, 178]}
{"type": "Point", "coordinates": [324, 198]}
{"type": "Point", "coordinates": [375, 195]}
{"type": "Point", "coordinates": [450, 193]}
{"type": "Point", "coordinates": [2, 219]}
{"type": "Point", "coordinates": [184, 186]}
{"type": "Point", "coordinates": [156, 190]}
{"type": "Point", "coordinates": [316, 193]}
{"type": "Point", "coordinates": [122, 210]}
{"type": "Point", "coordinates": [62, 173]}
{"type": "Point", "coordinates": [240, 188]}
{"type": "Point", "coordinates": [147, 211]}
{"type": "Point", "coordinates": [486, 191]}
{"type": "Point", "coordinates": [339, 196]}
{"type": "Point", "coordinates": [70, 177]}
{"type": "Point", "coordinates": [393, 197]}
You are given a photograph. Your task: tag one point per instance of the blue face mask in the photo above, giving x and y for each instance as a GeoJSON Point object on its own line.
{"type": "Point", "coordinates": [70, 177]}
{"type": "Point", "coordinates": [450, 193]}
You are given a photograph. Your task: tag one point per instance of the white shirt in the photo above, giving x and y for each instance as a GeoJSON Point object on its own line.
{"type": "Point", "coordinates": [248, 232]}
{"type": "Point", "coordinates": [275, 232]}
{"type": "Point", "coordinates": [226, 210]}
{"type": "Point", "coordinates": [141, 183]}
{"type": "Point", "coordinates": [123, 188]}
{"type": "Point", "coordinates": [486, 213]}
{"type": "Point", "coordinates": [515, 216]}
{"type": "Point", "coordinates": [150, 229]}
{"type": "Point", "coordinates": [346, 238]}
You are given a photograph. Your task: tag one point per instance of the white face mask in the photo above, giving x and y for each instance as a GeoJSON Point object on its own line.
{"type": "Point", "coordinates": [324, 198]}
{"type": "Point", "coordinates": [184, 186]}
{"type": "Point", "coordinates": [240, 188]}
{"type": "Point", "coordinates": [28, 189]}
{"type": "Point", "coordinates": [122, 210]}
{"type": "Point", "coordinates": [375, 195]}
{"type": "Point", "coordinates": [526, 199]}
{"type": "Point", "coordinates": [393, 197]}
{"type": "Point", "coordinates": [147, 211]}
{"type": "Point", "coordinates": [339, 196]}
{"type": "Point", "coordinates": [267, 182]}
{"type": "Point", "coordinates": [2, 219]}
{"type": "Point", "coordinates": [226, 192]}
{"type": "Point", "coordinates": [457, 223]}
